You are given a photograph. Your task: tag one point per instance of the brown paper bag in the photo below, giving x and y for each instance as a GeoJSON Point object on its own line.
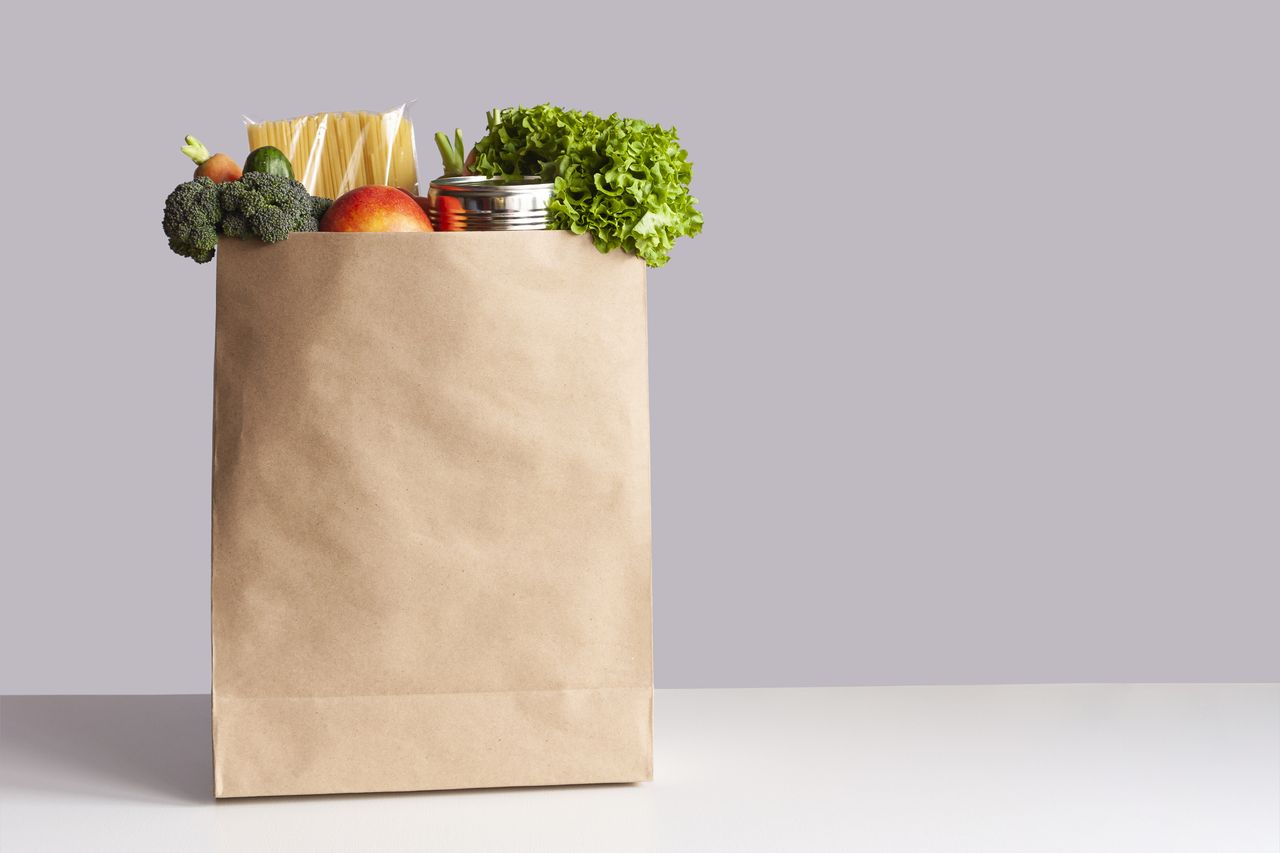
{"type": "Point", "coordinates": [431, 541]}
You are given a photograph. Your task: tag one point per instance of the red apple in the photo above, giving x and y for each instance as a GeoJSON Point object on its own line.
{"type": "Point", "coordinates": [375, 208]}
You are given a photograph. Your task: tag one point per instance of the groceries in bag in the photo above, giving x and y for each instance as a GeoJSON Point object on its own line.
{"type": "Point", "coordinates": [622, 182]}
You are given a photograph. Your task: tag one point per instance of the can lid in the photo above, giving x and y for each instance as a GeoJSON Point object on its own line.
{"type": "Point", "coordinates": [480, 186]}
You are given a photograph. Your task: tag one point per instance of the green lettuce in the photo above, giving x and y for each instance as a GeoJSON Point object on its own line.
{"type": "Point", "coordinates": [621, 180]}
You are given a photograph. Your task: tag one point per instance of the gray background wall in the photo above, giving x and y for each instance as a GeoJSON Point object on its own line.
{"type": "Point", "coordinates": [972, 377]}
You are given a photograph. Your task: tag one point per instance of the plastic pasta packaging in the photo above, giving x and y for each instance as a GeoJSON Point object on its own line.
{"type": "Point", "coordinates": [332, 153]}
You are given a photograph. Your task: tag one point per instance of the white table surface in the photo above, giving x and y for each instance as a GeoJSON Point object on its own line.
{"type": "Point", "coordinates": [1143, 768]}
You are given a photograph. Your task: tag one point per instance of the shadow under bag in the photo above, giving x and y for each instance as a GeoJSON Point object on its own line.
{"type": "Point", "coordinates": [431, 516]}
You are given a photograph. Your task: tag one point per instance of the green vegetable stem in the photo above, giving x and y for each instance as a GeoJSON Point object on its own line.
{"type": "Point", "coordinates": [196, 150]}
{"type": "Point", "coordinates": [452, 153]}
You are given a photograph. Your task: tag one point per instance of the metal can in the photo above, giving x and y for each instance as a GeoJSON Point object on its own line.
{"type": "Point", "coordinates": [477, 203]}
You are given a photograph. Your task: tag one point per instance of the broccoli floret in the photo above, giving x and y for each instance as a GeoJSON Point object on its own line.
{"type": "Point", "coordinates": [191, 217]}
{"type": "Point", "coordinates": [267, 206]}
{"type": "Point", "coordinates": [320, 206]}
{"type": "Point", "coordinates": [234, 225]}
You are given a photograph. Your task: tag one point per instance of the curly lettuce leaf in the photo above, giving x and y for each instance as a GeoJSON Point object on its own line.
{"type": "Point", "coordinates": [623, 181]}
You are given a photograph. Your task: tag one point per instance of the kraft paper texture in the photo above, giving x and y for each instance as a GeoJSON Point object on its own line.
{"type": "Point", "coordinates": [431, 517]}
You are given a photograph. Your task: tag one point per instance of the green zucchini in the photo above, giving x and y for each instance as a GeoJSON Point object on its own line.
{"type": "Point", "coordinates": [270, 160]}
